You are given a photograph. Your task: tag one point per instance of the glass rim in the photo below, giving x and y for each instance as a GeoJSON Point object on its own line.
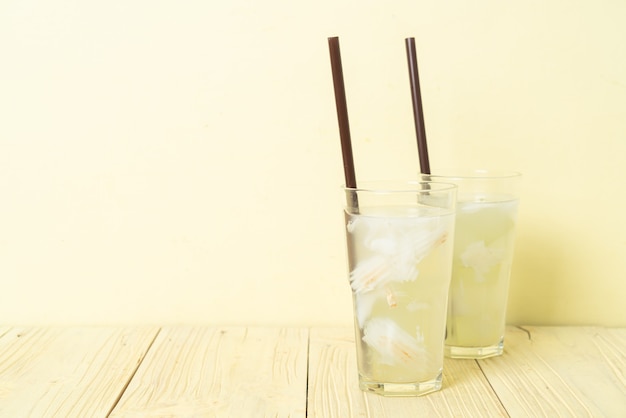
{"type": "Point", "coordinates": [477, 174]}
{"type": "Point", "coordinates": [401, 186]}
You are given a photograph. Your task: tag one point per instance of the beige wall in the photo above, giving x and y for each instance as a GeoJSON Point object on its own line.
{"type": "Point", "coordinates": [179, 161]}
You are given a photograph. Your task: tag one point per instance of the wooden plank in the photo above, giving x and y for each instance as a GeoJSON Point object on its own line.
{"type": "Point", "coordinates": [334, 391]}
{"type": "Point", "coordinates": [561, 371]}
{"type": "Point", "coordinates": [68, 372]}
{"type": "Point", "coordinates": [220, 372]}
{"type": "Point", "coordinates": [611, 344]}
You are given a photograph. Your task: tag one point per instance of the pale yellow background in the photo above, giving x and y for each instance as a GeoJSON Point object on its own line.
{"type": "Point", "coordinates": [179, 161]}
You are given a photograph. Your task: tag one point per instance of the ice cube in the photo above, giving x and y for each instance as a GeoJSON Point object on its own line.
{"type": "Point", "coordinates": [393, 344]}
{"type": "Point", "coordinates": [481, 258]}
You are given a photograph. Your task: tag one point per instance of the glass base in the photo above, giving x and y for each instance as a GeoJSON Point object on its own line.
{"type": "Point", "coordinates": [401, 389]}
{"type": "Point", "coordinates": [451, 351]}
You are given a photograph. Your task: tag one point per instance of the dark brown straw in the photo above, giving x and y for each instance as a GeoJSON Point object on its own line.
{"type": "Point", "coordinates": [342, 112]}
{"type": "Point", "coordinates": [418, 111]}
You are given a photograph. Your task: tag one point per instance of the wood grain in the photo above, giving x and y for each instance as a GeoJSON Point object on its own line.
{"type": "Point", "coordinates": [561, 372]}
{"type": "Point", "coordinates": [334, 391]}
{"type": "Point", "coordinates": [4, 330]}
{"type": "Point", "coordinates": [220, 372]}
{"type": "Point", "coordinates": [183, 371]}
{"type": "Point", "coordinates": [68, 372]}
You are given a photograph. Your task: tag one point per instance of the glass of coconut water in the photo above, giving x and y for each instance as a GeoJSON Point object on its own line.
{"type": "Point", "coordinates": [483, 252]}
{"type": "Point", "coordinates": [400, 238]}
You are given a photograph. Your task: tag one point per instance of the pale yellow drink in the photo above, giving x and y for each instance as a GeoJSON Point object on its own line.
{"type": "Point", "coordinates": [400, 268]}
{"type": "Point", "coordinates": [483, 254]}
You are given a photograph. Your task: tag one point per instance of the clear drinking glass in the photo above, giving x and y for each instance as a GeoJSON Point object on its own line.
{"type": "Point", "coordinates": [483, 252]}
{"type": "Point", "coordinates": [400, 239]}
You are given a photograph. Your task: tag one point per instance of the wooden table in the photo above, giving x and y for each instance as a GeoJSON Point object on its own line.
{"type": "Point", "coordinates": [193, 371]}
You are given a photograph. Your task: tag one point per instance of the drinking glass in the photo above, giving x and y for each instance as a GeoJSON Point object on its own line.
{"type": "Point", "coordinates": [483, 252]}
{"type": "Point", "coordinates": [400, 239]}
